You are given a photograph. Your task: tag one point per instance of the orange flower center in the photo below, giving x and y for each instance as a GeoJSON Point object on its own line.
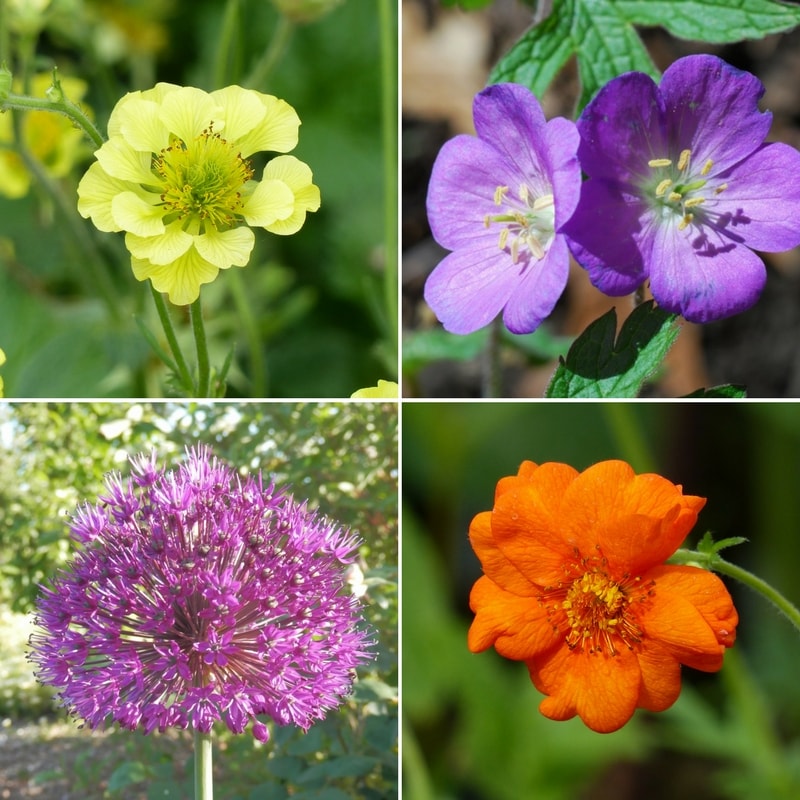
{"type": "Point", "coordinates": [595, 611]}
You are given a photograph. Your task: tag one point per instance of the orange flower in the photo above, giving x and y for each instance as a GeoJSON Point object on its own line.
{"type": "Point", "coordinates": [575, 586]}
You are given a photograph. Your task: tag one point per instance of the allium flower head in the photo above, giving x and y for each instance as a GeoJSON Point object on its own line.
{"type": "Point", "coordinates": [175, 176]}
{"type": "Point", "coordinates": [198, 596]}
{"type": "Point", "coordinates": [682, 187]}
{"type": "Point", "coordinates": [575, 586]}
{"type": "Point", "coordinates": [499, 202]}
{"type": "Point", "coordinates": [50, 138]}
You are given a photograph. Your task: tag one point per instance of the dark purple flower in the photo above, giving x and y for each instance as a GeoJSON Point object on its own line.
{"type": "Point", "coordinates": [198, 596]}
{"type": "Point", "coordinates": [681, 187]}
{"type": "Point", "coordinates": [499, 202]}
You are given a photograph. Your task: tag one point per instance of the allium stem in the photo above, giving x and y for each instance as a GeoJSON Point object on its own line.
{"type": "Point", "coordinates": [203, 778]}
{"type": "Point", "coordinates": [203, 367]}
{"type": "Point", "coordinates": [713, 562]}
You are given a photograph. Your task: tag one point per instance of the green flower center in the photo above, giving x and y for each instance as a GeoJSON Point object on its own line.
{"type": "Point", "coordinates": [527, 222]}
{"type": "Point", "coordinates": [675, 188]}
{"type": "Point", "coordinates": [202, 180]}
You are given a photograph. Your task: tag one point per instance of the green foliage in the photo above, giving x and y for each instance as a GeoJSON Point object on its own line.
{"type": "Point", "coordinates": [597, 365]}
{"type": "Point", "coordinates": [601, 34]}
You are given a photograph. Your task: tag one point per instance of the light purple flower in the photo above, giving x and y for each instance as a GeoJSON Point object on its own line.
{"type": "Point", "coordinates": [681, 187]}
{"type": "Point", "coordinates": [499, 202]}
{"type": "Point", "coordinates": [197, 596]}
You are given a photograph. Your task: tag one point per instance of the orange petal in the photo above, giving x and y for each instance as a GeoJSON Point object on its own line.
{"type": "Point", "coordinates": [526, 525]}
{"type": "Point", "coordinates": [706, 592]}
{"type": "Point", "coordinates": [601, 689]}
{"type": "Point", "coordinates": [495, 565]}
{"type": "Point", "coordinates": [517, 626]}
{"type": "Point", "coordinates": [691, 614]}
{"type": "Point", "coordinates": [661, 677]}
{"type": "Point", "coordinates": [636, 521]}
{"type": "Point", "coordinates": [524, 476]}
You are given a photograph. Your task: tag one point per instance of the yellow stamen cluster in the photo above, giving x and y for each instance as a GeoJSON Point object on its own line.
{"type": "Point", "coordinates": [674, 189]}
{"type": "Point", "coordinates": [593, 611]}
{"type": "Point", "coordinates": [203, 179]}
{"type": "Point", "coordinates": [530, 223]}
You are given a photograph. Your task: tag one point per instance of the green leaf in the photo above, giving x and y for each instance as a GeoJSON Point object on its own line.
{"type": "Point", "coordinates": [423, 347]}
{"type": "Point", "coordinates": [597, 366]}
{"type": "Point", "coordinates": [602, 34]}
{"type": "Point", "coordinates": [708, 546]}
{"type": "Point", "coordinates": [127, 774]}
{"type": "Point", "coordinates": [725, 390]}
{"type": "Point", "coordinates": [341, 767]}
{"type": "Point", "coordinates": [712, 20]}
{"type": "Point", "coordinates": [603, 39]}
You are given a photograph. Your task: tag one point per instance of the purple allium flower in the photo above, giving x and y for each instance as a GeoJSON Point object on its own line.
{"type": "Point", "coordinates": [198, 596]}
{"type": "Point", "coordinates": [681, 186]}
{"type": "Point", "coordinates": [499, 202]}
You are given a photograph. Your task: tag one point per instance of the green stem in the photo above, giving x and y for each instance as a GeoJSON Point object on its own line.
{"type": "Point", "coordinates": [258, 375]}
{"type": "Point", "coordinates": [203, 777]}
{"type": "Point", "coordinates": [627, 431]}
{"type": "Point", "coordinates": [713, 562]}
{"type": "Point", "coordinates": [280, 38]}
{"type": "Point", "coordinates": [169, 331]}
{"type": "Point", "coordinates": [389, 129]}
{"type": "Point", "coordinates": [63, 106]}
{"type": "Point", "coordinates": [203, 367]}
{"type": "Point", "coordinates": [223, 67]}
{"type": "Point", "coordinates": [491, 364]}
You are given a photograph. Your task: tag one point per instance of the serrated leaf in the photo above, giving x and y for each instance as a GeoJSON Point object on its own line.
{"type": "Point", "coordinates": [598, 366]}
{"type": "Point", "coordinates": [725, 390]}
{"type": "Point", "coordinates": [712, 20]}
{"type": "Point", "coordinates": [604, 40]}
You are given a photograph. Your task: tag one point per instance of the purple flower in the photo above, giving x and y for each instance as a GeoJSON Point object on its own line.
{"type": "Point", "coordinates": [681, 187]}
{"type": "Point", "coordinates": [499, 202]}
{"type": "Point", "coordinates": [197, 596]}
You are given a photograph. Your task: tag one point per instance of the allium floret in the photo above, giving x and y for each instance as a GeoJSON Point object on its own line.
{"type": "Point", "coordinates": [197, 595]}
{"type": "Point", "coordinates": [682, 188]}
{"type": "Point", "coordinates": [499, 201]}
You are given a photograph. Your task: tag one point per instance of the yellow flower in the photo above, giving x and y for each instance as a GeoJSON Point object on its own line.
{"type": "Point", "coordinates": [2, 361]}
{"type": "Point", "coordinates": [175, 176]}
{"type": "Point", "coordinates": [383, 389]}
{"type": "Point", "coordinates": [50, 138]}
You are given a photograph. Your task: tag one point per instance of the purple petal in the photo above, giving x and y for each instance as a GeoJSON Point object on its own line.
{"type": "Point", "coordinates": [536, 295]}
{"type": "Point", "coordinates": [712, 109]}
{"type": "Point", "coordinates": [761, 203]}
{"type": "Point", "coordinates": [509, 117]}
{"type": "Point", "coordinates": [622, 128]}
{"type": "Point", "coordinates": [704, 278]}
{"type": "Point", "coordinates": [607, 235]}
{"type": "Point", "coordinates": [465, 176]}
{"type": "Point", "coordinates": [469, 287]}
{"type": "Point", "coordinates": [561, 141]}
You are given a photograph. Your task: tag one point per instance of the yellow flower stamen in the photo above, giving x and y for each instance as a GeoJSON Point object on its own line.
{"type": "Point", "coordinates": [683, 161]}
{"type": "Point", "coordinates": [663, 186]}
{"type": "Point", "coordinates": [707, 167]}
{"type": "Point", "coordinates": [659, 162]}
{"type": "Point", "coordinates": [694, 201]}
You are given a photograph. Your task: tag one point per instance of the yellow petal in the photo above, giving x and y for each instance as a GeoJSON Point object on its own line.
{"type": "Point", "coordinates": [278, 130]}
{"type": "Point", "coordinates": [161, 249]}
{"type": "Point", "coordinates": [141, 126]}
{"type": "Point", "coordinates": [242, 110]}
{"type": "Point", "coordinates": [181, 279]}
{"type": "Point", "coordinates": [121, 161]}
{"type": "Point", "coordinates": [96, 191]}
{"type": "Point", "coordinates": [226, 248]}
{"type": "Point", "coordinates": [383, 389]}
{"type": "Point", "coordinates": [135, 214]}
{"type": "Point", "coordinates": [270, 201]}
{"type": "Point", "coordinates": [187, 112]}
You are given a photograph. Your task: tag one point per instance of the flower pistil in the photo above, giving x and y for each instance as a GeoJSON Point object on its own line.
{"type": "Point", "coordinates": [677, 192]}
{"type": "Point", "coordinates": [531, 221]}
{"type": "Point", "coordinates": [593, 610]}
{"type": "Point", "coordinates": [202, 179]}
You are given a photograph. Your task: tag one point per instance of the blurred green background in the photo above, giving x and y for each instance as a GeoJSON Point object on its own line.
{"type": "Point", "coordinates": [341, 457]}
{"type": "Point", "coordinates": [471, 726]}
{"type": "Point", "coordinates": [311, 315]}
